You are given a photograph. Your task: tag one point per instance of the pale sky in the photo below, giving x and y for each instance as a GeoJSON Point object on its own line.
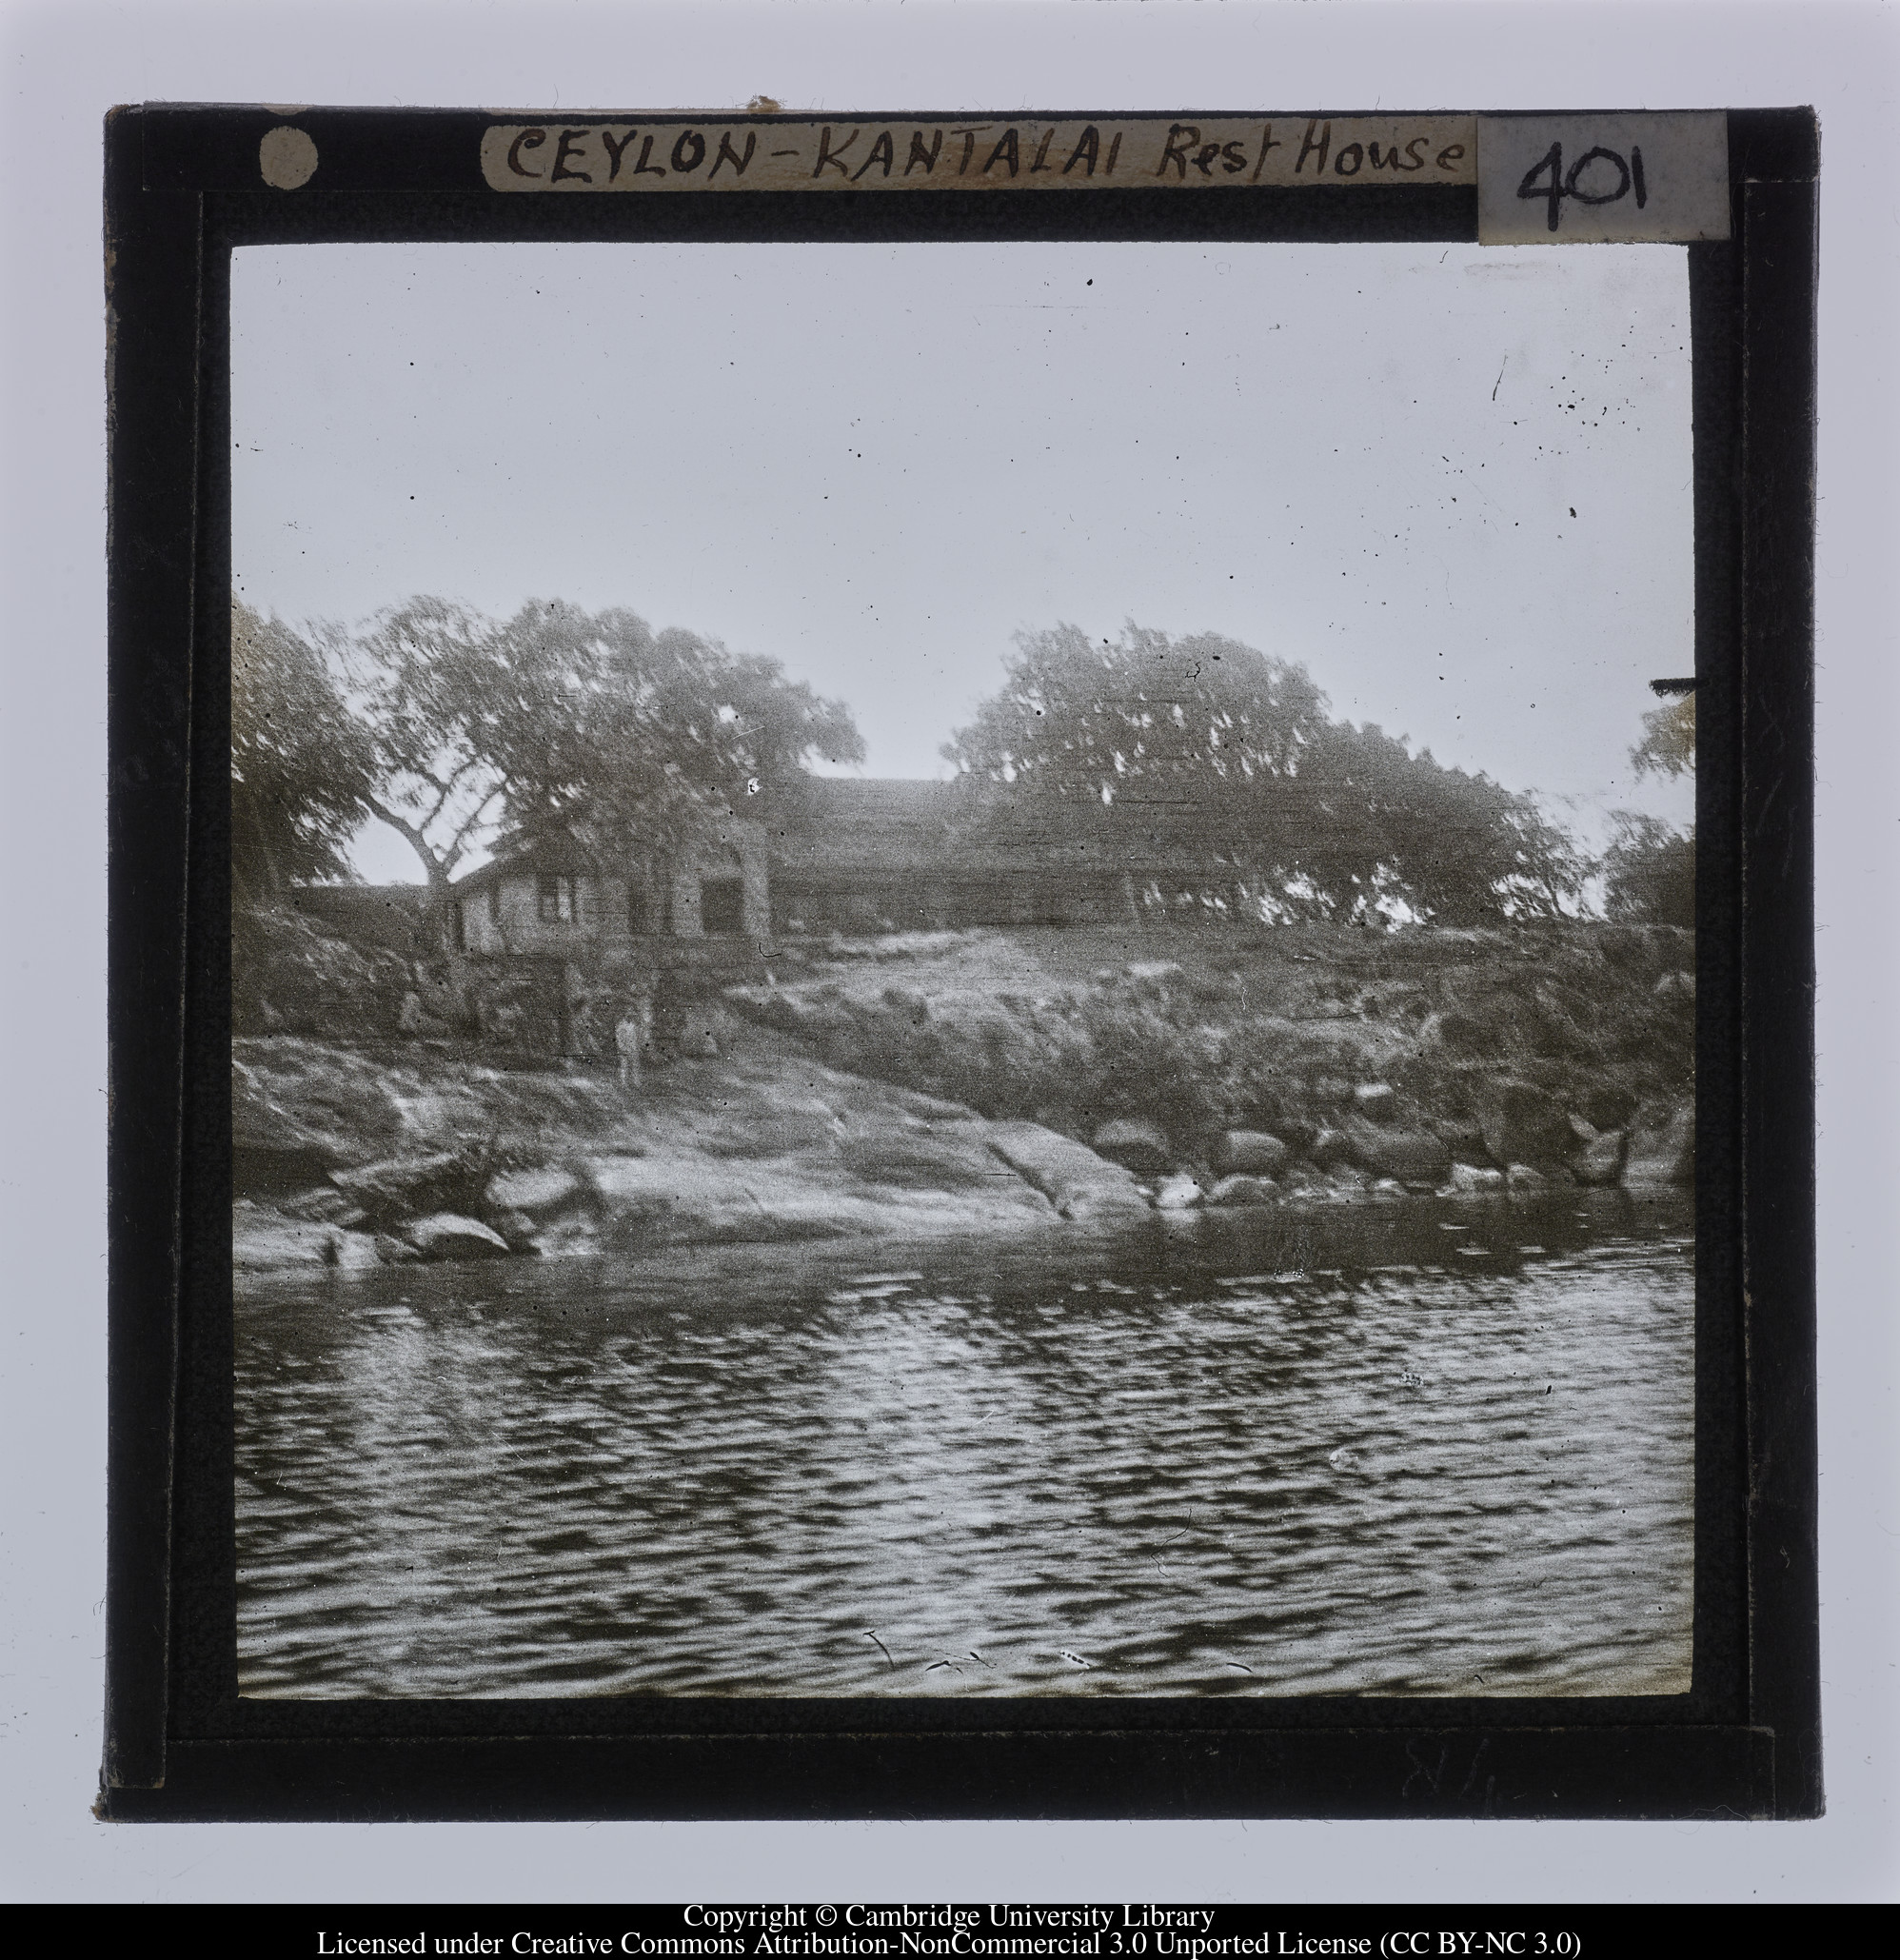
{"type": "Point", "coordinates": [1453, 482]}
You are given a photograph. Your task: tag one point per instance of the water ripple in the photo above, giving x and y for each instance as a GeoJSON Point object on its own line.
{"type": "Point", "coordinates": [1173, 1464]}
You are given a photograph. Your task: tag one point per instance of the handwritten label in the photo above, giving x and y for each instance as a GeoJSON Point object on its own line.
{"type": "Point", "coordinates": [1603, 179]}
{"type": "Point", "coordinates": [1190, 154]}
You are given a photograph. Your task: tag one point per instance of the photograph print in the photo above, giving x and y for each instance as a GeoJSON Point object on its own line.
{"type": "Point", "coordinates": [962, 970]}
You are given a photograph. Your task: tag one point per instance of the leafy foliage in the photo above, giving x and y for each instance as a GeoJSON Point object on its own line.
{"type": "Point", "coordinates": [1668, 747]}
{"type": "Point", "coordinates": [1649, 873]}
{"type": "Point", "coordinates": [560, 722]}
{"type": "Point", "coordinates": [300, 765]}
{"type": "Point", "coordinates": [1221, 752]}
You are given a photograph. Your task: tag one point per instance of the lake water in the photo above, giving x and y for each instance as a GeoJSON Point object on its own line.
{"type": "Point", "coordinates": [1421, 1448]}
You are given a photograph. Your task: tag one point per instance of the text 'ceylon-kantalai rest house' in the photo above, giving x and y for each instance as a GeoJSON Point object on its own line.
{"type": "Point", "coordinates": [768, 154]}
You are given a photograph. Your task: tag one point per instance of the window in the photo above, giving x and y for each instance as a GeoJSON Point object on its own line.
{"type": "Point", "coordinates": [558, 901]}
{"type": "Point", "coordinates": [722, 904]}
{"type": "Point", "coordinates": [495, 903]}
{"type": "Point", "coordinates": [457, 926]}
{"type": "Point", "coordinates": [637, 922]}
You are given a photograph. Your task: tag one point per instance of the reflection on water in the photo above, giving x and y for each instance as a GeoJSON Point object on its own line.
{"type": "Point", "coordinates": [1438, 1449]}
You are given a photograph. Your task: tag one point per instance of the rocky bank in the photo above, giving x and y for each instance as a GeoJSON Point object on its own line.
{"type": "Point", "coordinates": [994, 1081]}
{"type": "Point", "coordinates": [348, 1160]}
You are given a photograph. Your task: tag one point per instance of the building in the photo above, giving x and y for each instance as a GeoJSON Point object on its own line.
{"type": "Point", "coordinates": [554, 898]}
{"type": "Point", "coordinates": [891, 854]}
{"type": "Point", "coordinates": [851, 855]}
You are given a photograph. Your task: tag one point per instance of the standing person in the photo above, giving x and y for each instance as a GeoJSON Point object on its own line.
{"type": "Point", "coordinates": [584, 1040]}
{"type": "Point", "coordinates": [631, 1034]}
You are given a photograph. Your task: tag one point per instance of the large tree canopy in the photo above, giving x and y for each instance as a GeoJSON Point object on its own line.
{"type": "Point", "coordinates": [561, 720]}
{"type": "Point", "coordinates": [1141, 720]}
{"type": "Point", "coordinates": [300, 764]}
{"type": "Point", "coordinates": [1224, 753]}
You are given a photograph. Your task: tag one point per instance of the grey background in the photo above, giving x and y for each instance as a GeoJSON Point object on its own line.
{"type": "Point", "coordinates": [64, 66]}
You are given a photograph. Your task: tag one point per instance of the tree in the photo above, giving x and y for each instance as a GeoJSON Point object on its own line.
{"type": "Point", "coordinates": [560, 722]}
{"type": "Point", "coordinates": [1649, 873]}
{"type": "Point", "coordinates": [1222, 753]}
{"type": "Point", "coordinates": [1141, 720]}
{"type": "Point", "coordinates": [1374, 825]}
{"type": "Point", "coordinates": [299, 763]}
{"type": "Point", "coordinates": [1668, 747]}
{"type": "Point", "coordinates": [436, 696]}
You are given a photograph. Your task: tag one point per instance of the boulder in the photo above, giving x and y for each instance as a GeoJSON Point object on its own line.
{"type": "Point", "coordinates": [540, 1193]}
{"type": "Point", "coordinates": [395, 1252]}
{"type": "Point", "coordinates": [1412, 1157]}
{"type": "Point", "coordinates": [1334, 1148]}
{"type": "Point", "coordinates": [1378, 1101]}
{"type": "Point", "coordinates": [399, 1187]}
{"type": "Point", "coordinates": [517, 1230]}
{"type": "Point", "coordinates": [354, 1252]}
{"type": "Point", "coordinates": [1662, 1148]}
{"type": "Point", "coordinates": [1463, 1136]}
{"type": "Point", "coordinates": [1135, 1145]}
{"type": "Point", "coordinates": [1521, 1124]}
{"type": "Point", "coordinates": [1240, 1189]}
{"type": "Point", "coordinates": [1253, 1152]}
{"type": "Point", "coordinates": [1607, 1108]}
{"type": "Point", "coordinates": [573, 1235]}
{"type": "Point", "coordinates": [1679, 986]}
{"type": "Point", "coordinates": [1180, 1193]}
{"type": "Point", "coordinates": [1601, 1160]}
{"type": "Point", "coordinates": [1074, 1179]}
{"type": "Point", "coordinates": [1468, 1178]}
{"type": "Point", "coordinates": [1525, 1178]}
{"type": "Point", "coordinates": [265, 1242]}
{"type": "Point", "coordinates": [1298, 1133]}
{"type": "Point", "coordinates": [324, 1204]}
{"type": "Point", "coordinates": [449, 1235]}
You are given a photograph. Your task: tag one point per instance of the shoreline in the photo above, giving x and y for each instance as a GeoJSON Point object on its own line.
{"type": "Point", "coordinates": [1291, 1073]}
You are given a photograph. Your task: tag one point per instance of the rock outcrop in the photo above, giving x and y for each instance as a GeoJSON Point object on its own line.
{"type": "Point", "coordinates": [447, 1235]}
{"type": "Point", "coordinates": [1522, 1123]}
{"type": "Point", "coordinates": [1077, 1182]}
{"type": "Point", "coordinates": [1407, 1156]}
{"type": "Point", "coordinates": [1137, 1146]}
{"type": "Point", "coordinates": [1241, 1189]}
{"type": "Point", "coordinates": [1333, 1068]}
{"type": "Point", "coordinates": [1662, 1148]}
{"type": "Point", "coordinates": [1254, 1152]}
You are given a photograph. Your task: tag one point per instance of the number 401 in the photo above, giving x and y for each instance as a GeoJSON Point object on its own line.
{"type": "Point", "coordinates": [1563, 184]}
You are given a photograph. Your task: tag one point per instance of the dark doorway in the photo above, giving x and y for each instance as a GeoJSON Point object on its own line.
{"type": "Point", "coordinates": [722, 904]}
{"type": "Point", "coordinates": [638, 918]}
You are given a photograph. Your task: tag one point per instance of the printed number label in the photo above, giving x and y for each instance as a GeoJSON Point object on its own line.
{"type": "Point", "coordinates": [1598, 176]}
